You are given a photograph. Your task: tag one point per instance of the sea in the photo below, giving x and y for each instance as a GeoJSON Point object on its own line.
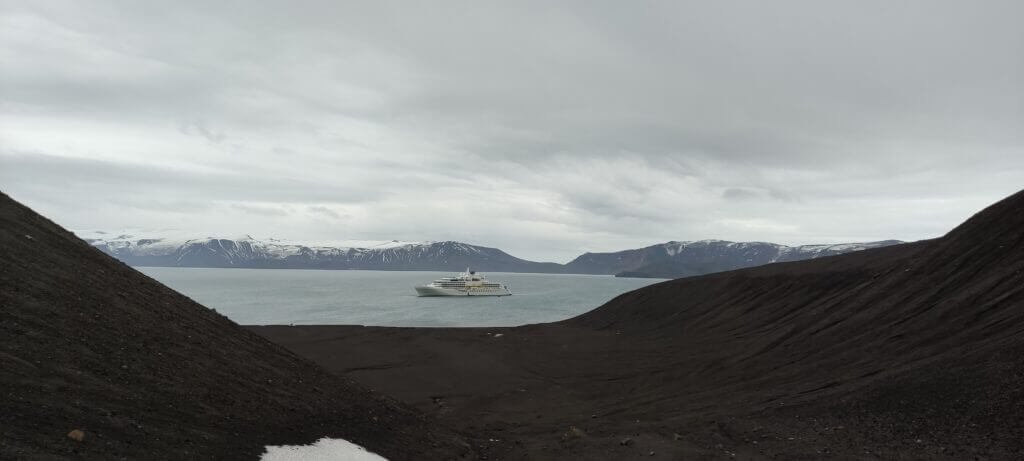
{"type": "Point", "coordinates": [386, 298]}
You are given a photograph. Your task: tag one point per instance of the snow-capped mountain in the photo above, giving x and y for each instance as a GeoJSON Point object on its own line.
{"type": "Point", "coordinates": [176, 250]}
{"type": "Point", "coordinates": [684, 259]}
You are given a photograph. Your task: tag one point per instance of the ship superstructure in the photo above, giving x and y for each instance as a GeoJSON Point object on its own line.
{"type": "Point", "coordinates": [468, 283]}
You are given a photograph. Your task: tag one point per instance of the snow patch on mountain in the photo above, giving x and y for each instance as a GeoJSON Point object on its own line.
{"type": "Point", "coordinates": [175, 248]}
{"type": "Point", "coordinates": [169, 241]}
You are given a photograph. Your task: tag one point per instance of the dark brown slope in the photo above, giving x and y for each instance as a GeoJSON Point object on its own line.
{"type": "Point", "coordinates": [88, 343]}
{"type": "Point", "coordinates": [908, 351]}
{"type": "Point", "coordinates": [924, 338]}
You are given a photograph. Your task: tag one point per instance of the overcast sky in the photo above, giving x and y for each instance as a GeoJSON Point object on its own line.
{"type": "Point", "coordinates": [545, 128]}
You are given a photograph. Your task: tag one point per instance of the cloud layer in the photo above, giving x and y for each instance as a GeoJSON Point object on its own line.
{"type": "Point", "coordinates": [546, 130]}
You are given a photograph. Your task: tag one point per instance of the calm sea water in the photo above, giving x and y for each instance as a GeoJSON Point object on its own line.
{"type": "Point", "coordinates": [386, 298]}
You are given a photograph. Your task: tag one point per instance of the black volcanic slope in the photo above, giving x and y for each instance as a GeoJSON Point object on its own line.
{"type": "Point", "coordinates": [910, 351]}
{"type": "Point", "coordinates": [87, 343]}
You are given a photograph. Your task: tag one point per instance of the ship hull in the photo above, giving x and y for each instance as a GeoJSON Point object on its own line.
{"type": "Point", "coordinates": [438, 291]}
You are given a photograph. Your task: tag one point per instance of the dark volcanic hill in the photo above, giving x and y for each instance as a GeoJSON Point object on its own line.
{"type": "Point", "coordinates": [87, 343]}
{"type": "Point", "coordinates": [913, 351]}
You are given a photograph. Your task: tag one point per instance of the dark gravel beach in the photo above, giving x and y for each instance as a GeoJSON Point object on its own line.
{"type": "Point", "coordinates": [912, 351]}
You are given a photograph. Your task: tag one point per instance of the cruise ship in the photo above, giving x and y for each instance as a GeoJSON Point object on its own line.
{"type": "Point", "coordinates": [468, 283]}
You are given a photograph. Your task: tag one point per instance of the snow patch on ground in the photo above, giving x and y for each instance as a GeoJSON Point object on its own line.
{"type": "Point", "coordinates": [325, 449]}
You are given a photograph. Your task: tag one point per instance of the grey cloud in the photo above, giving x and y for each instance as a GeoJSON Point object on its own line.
{"type": "Point", "coordinates": [40, 174]}
{"type": "Point", "coordinates": [781, 195]}
{"type": "Point", "coordinates": [734, 193]}
{"type": "Point", "coordinates": [747, 193]}
{"type": "Point", "coordinates": [201, 128]}
{"type": "Point", "coordinates": [320, 209]}
{"type": "Point", "coordinates": [260, 209]}
{"type": "Point", "coordinates": [612, 122]}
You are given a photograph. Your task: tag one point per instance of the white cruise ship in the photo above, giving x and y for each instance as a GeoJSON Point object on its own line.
{"type": "Point", "coordinates": [468, 283]}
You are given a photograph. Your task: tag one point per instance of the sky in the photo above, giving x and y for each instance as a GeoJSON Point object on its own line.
{"type": "Point", "coordinates": [546, 129]}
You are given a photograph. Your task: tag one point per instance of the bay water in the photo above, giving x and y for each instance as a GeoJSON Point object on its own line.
{"type": "Point", "coordinates": [386, 298]}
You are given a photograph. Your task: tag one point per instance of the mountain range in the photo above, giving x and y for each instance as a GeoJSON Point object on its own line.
{"type": "Point", "coordinates": [686, 259]}
{"type": "Point", "coordinates": [665, 260]}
